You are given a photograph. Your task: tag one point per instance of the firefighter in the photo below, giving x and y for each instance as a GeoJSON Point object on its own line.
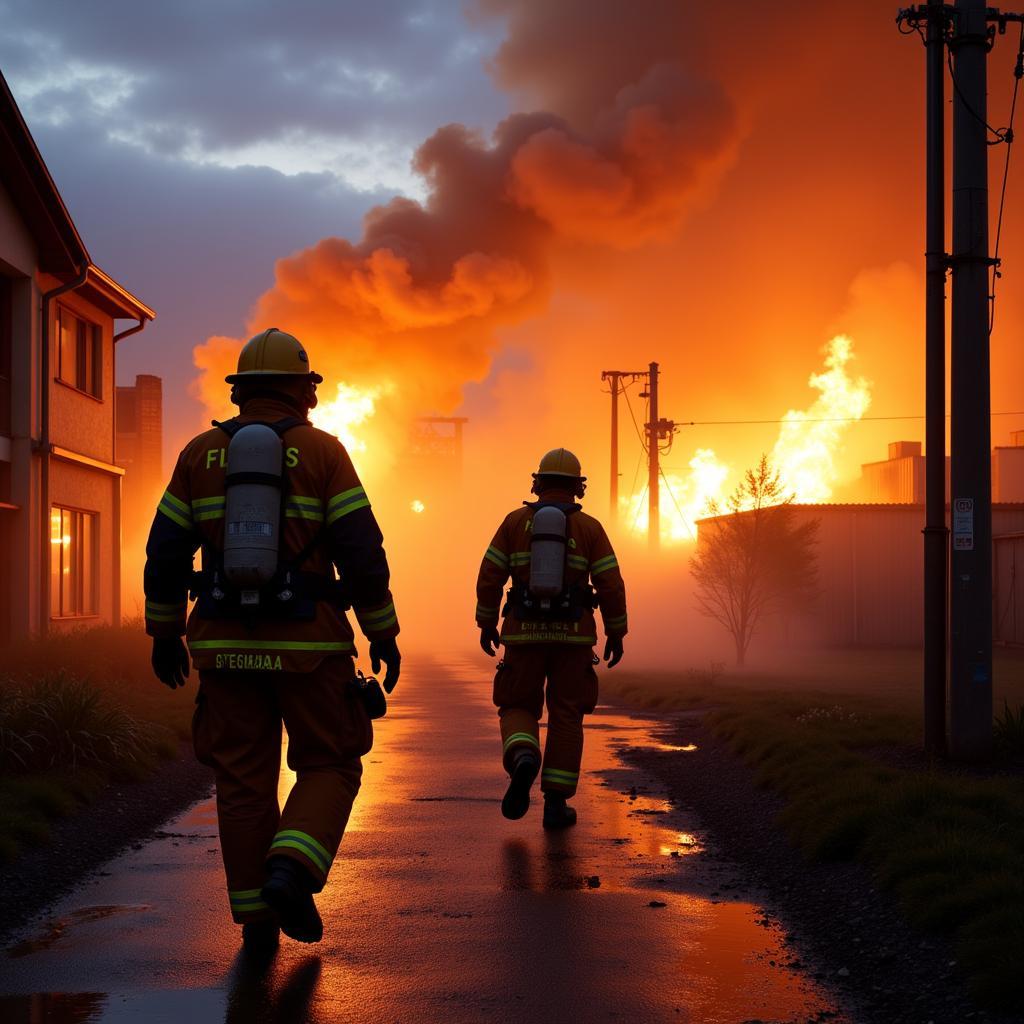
{"type": "Point", "coordinates": [272, 650]}
{"type": "Point", "coordinates": [552, 551]}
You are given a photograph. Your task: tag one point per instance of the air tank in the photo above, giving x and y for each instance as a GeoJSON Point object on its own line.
{"type": "Point", "coordinates": [547, 552]}
{"type": "Point", "coordinates": [252, 515]}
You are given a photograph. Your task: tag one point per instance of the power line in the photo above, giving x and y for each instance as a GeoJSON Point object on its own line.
{"type": "Point", "coordinates": [827, 419]}
{"type": "Point", "coordinates": [671, 494]}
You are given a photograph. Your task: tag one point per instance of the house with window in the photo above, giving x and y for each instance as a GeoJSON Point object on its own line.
{"type": "Point", "coordinates": [60, 489]}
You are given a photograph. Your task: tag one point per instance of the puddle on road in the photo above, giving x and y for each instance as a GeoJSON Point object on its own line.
{"type": "Point", "coordinates": [53, 931]}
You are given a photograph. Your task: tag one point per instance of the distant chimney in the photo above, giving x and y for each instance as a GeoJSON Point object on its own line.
{"type": "Point", "coordinates": [904, 449]}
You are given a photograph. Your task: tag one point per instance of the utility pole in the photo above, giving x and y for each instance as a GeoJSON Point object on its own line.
{"type": "Point", "coordinates": [936, 534]}
{"type": "Point", "coordinates": [970, 663]}
{"type": "Point", "coordinates": [964, 28]}
{"type": "Point", "coordinates": [614, 377]}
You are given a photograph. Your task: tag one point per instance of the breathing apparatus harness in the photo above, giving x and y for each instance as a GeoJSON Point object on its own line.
{"type": "Point", "coordinates": [290, 593]}
{"type": "Point", "coordinates": [547, 597]}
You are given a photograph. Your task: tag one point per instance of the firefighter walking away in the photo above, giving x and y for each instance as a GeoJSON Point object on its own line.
{"type": "Point", "coordinates": [562, 567]}
{"type": "Point", "coordinates": [276, 507]}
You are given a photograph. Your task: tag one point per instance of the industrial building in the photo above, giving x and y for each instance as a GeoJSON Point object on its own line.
{"type": "Point", "coordinates": [60, 487]}
{"type": "Point", "coordinates": [871, 556]}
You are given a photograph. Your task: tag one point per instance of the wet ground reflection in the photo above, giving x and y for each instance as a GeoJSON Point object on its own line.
{"type": "Point", "coordinates": [438, 909]}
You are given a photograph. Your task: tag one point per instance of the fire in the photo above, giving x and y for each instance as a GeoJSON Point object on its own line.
{"type": "Point", "coordinates": [417, 506]}
{"type": "Point", "coordinates": [806, 453]}
{"type": "Point", "coordinates": [810, 442]}
{"type": "Point", "coordinates": [348, 410]}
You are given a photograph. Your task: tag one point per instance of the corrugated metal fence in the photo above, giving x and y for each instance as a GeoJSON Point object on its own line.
{"type": "Point", "coordinates": [1008, 580]}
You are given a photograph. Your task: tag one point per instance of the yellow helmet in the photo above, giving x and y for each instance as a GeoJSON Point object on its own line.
{"type": "Point", "coordinates": [273, 353]}
{"type": "Point", "coordinates": [560, 462]}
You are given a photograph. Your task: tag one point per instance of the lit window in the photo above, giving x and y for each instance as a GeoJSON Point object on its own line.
{"type": "Point", "coordinates": [72, 563]}
{"type": "Point", "coordinates": [79, 360]}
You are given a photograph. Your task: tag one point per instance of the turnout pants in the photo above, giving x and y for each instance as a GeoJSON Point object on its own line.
{"type": "Point", "coordinates": [519, 693]}
{"type": "Point", "coordinates": [236, 730]}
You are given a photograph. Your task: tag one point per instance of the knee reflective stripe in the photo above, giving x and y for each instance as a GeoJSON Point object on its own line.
{"type": "Point", "coordinates": [298, 507]}
{"type": "Point", "coordinates": [208, 508]}
{"type": "Point", "coordinates": [520, 737]}
{"type": "Point", "coordinates": [176, 510]}
{"type": "Point", "coordinates": [272, 645]}
{"type": "Point", "coordinates": [559, 777]}
{"type": "Point", "coordinates": [376, 621]}
{"type": "Point", "coordinates": [157, 612]}
{"type": "Point", "coordinates": [603, 565]}
{"type": "Point", "coordinates": [293, 839]}
{"type": "Point", "coordinates": [346, 502]}
{"type": "Point", "coordinates": [497, 556]}
{"type": "Point", "coordinates": [244, 901]}
{"type": "Point", "coordinates": [617, 623]}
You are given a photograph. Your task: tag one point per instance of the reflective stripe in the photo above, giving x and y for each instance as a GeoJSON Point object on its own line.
{"type": "Point", "coordinates": [247, 899]}
{"type": "Point", "coordinates": [548, 638]}
{"type": "Point", "coordinates": [559, 771]}
{"type": "Point", "coordinates": [577, 561]}
{"type": "Point", "coordinates": [175, 502]}
{"type": "Point", "coordinates": [482, 612]}
{"type": "Point", "coordinates": [379, 613]}
{"type": "Point", "coordinates": [346, 502]}
{"type": "Point", "coordinates": [304, 513]}
{"type": "Point", "coordinates": [175, 516]}
{"type": "Point", "coordinates": [560, 778]}
{"type": "Point", "coordinates": [603, 564]}
{"type": "Point", "coordinates": [521, 737]}
{"type": "Point", "coordinates": [301, 499]}
{"type": "Point", "coordinates": [157, 606]}
{"type": "Point", "coordinates": [520, 558]}
{"type": "Point", "coordinates": [497, 556]}
{"type": "Point", "coordinates": [210, 513]}
{"type": "Point", "coordinates": [271, 645]}
{"type": "Point", "coordinates": [617, 623]}
{"type": "Point", "coordinates": [218, 499]}
{"type": "Point", "coordinates": [165, 616]}
{"type": "Point", "coordinates": [293, 839]}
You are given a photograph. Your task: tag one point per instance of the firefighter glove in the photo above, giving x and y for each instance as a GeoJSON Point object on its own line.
{"type": "Point", "coordinates": [490, 639]}
{"type": "Point", "coordinates": [170, 660]}
{"type": "Point", "coordinates": [613, 650]}
{"type": "Point", "coordinates": [386, 651]}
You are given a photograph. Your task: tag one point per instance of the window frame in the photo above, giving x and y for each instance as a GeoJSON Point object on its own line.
{"type": "Point", "coordinates": [93, 330]}
{"type": "Point", "coordinates": [83, 600]}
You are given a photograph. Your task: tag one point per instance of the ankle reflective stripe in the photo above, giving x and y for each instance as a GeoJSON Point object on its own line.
{"type": "Point", "coordinates": [242, 900]}
{"type": "Point", "coordinates": [292, 839]}
{"type": "Point", "coordinates": [557, 775]}
{"type": "Point", "coordinates": [521, 737]}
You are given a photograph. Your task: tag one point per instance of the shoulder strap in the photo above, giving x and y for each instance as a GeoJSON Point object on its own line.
{"type": "Point", "coordinates": [230, 427]}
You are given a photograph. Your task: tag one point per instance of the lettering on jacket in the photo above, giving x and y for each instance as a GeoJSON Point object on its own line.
{"type": "Point", "coordinates": [219, 457]}
{"type": "Point", "coordinates": [249, 661]}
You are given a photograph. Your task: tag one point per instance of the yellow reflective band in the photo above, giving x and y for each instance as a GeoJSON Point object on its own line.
{"type": "Point", "coordinates": [520, 737]}
{"type": "Point", "coordinates": [219, 499]}
{"type": "Point", "coordinates": [483, 612]}
{"type": "Point", "coordinates": [165, 616]}
{"type": "Point", "coordinates": [164, 509]}
{"type": "Point", "coordinates": [271, 645]}
{"type": "Point", "coordinates": [304, 513]}
{"type": "Point", "coordinates": [344, 510]}
{"type": "Point", "coordinates": [557, 773]}
{"type": "Point", "coordinates": [603, 564]}
{"type": "Point", "coordinates": [520, 557]}
{"type": "Point", "coordinates": [577, 561]}
{"type": "Point", "coordinates": [293, 839]}
{"type": "Point", "coordinates": [497, 556]}
{"type": "Point", "coordinates": [247, 899]}
{"type": "Point", "coordinates": [346, 502]}
{"type": "Point", "coordinates": [157, 606]}
{"type": "Point", "coordinates": [300, 499]}
{"type": "Point", "coordinates": [377, 627]}
{"type": "Point", "coordinates": [619, 620]}
{"type": "Point", "coordinates": [212, 513]}
{"type": "Point", "coordinates": [379, 613]}
{"type": "Point", "coordinates": [175, 502]}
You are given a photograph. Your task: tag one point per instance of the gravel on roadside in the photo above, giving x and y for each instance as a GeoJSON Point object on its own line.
{"type": "Point", "coordinates": [885, 971]}
{"type": "Point", "coordinates": [125, 813]}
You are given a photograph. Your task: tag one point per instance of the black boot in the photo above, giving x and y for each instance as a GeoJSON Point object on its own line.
{"type": "Point", "coordinates": [517, 797]}
{"type": "Point", "coordinates": [557, 813]}
{"type": "Point", "coordinates": [289, 890]}
{"type": "Point", "coordinates": [260, 938]}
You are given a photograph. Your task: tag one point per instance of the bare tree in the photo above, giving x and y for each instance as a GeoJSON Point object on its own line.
{"type": "Point", "coordinates": [754, 558]}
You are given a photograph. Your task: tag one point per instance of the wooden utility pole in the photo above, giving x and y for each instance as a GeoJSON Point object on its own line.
{"type": "Point", "coordinates": [970, 652]}
{"type": "Point", "coordinates": [936, 534]}
{"type": "Point", "coordinates": [653, 469]}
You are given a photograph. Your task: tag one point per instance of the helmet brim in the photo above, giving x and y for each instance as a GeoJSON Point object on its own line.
{"type": "Point", "coordinates": [234, 378]}
{"type": "Point", "coordinates": [568, 476]}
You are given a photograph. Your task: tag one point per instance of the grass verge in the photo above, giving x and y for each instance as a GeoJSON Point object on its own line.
{"type": "Point", "coordinates": [65, 734]}
{"type": "Point", "coordinates": [947, 842]}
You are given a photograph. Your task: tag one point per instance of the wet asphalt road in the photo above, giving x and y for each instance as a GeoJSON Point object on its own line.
{"type": "Point", "coordinates": [437, 909]}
